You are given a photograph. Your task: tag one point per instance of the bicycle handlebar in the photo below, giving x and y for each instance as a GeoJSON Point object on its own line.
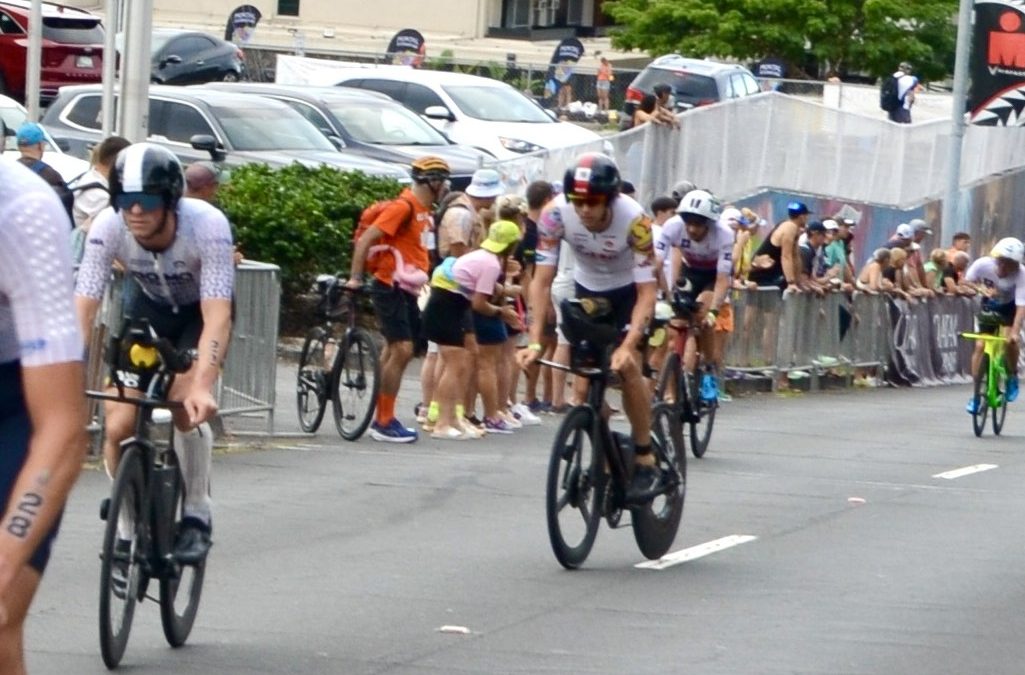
{"type": "Point", "coordinates": [143, 402]}
{"type": "Point", "coordinates": [984, 336]}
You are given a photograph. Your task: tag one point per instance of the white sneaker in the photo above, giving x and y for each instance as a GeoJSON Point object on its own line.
{"type": "Point", "coordinates": [525, 417]}
{"type": "Point", "coordinates": [510, 420]}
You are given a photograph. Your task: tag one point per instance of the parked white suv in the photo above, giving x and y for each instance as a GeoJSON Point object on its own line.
{"type": "Point", "coordinates": [487, 114]}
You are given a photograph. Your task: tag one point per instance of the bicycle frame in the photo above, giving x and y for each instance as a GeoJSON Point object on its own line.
{"type": "Point", "coordinates": [994, 346]}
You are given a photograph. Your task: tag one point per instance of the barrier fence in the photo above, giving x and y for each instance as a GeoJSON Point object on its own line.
{"type": "Point", "coordinates": [915, 342]}
{"type": "Point", "coordinates": [246, 385]}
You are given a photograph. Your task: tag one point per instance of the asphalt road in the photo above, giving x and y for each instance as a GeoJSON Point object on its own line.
{"type": "Point", "coordinates": [332, 557]}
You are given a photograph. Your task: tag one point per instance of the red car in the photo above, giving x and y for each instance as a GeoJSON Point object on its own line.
{"type": "Point", "coordinates": [72, 47]}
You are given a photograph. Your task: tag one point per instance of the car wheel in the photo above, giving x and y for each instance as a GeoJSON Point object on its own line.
{"type": "Point", "coordinates": [230, 76]}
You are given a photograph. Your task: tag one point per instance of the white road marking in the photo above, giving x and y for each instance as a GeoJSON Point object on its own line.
{"type": "Point", "coordinates": [695, 552]}
{"type": "Point", "coordinates": [966, 471]}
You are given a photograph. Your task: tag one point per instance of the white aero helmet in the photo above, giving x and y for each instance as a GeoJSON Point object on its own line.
{"type": "Point", "coordinates": [700, 203]}
{"type": "Point", "coordinates": [1010, 248]}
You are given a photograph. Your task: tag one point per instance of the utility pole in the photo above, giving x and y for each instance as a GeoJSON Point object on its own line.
{"type": "Point", "coordinates": [133, 110]}
{"type": "Point", "coordinates": [34, 62]}
{"type": "Point", "coordinates": [952, 199]}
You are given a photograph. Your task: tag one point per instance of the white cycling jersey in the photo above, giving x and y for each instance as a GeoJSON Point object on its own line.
{"type": "Point", "coordinates": [621, 255]}
{"type": "Point", "coordinates": [38, 325]}
{"type": "Point", "coordinates": [1006, 290]}
{"type": "Point", "coordinates": [714, 253]}
{"type": "Point", "coordinates": [199, 264]}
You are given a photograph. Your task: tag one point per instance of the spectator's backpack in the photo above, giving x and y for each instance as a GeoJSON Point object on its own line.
{"type": "Point", "coordinates": [889, 100]}
{"type": "Point", "coordinates": [447, 202]}
{"type": "Point", "coordinates": [370, 216]}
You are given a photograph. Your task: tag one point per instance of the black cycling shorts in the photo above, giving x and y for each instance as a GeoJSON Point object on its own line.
{"type": "Point", "coordinates": [622, 300]}
{"type": "Point", "coordinates": [398, 316]}
{"type": "Point", "coordinates": [15, 431]}
{"type": "Point", "coordinates": [700, 281]}
{"type": "Point", "coordinates": [994, 315]}
{"type": "Point", "coordinates": [447, 318]}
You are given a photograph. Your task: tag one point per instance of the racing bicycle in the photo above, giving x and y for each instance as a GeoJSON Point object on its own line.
{"type": "Point", "coordinates": [590, 468]}
{"type": "Point", "coordinates": [345, 368]}
{"type": "Point", "coordinates": [990, 382]}
{"type": "Point", "coordinates": [683, 389]}
{"type": "Point", "coordinates": [145, 507]}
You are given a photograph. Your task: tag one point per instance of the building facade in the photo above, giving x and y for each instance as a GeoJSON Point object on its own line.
{"type": "Point", "coordinates": [525, 19]}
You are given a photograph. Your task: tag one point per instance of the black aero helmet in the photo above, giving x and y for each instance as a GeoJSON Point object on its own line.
{"type": "Point", "coordinates": [592, 175]}
{"type": "Point", "coordinates": [149, 168]}
{"type": "Point", "coordinates": [428, 168]}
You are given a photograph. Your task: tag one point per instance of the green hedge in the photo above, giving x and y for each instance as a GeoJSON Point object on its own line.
{"type": "Point", "coordinates": [299, 218]}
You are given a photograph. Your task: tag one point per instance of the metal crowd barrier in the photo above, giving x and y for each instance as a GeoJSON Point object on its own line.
{"type": "Point", "coordinates": [247, 384]}
{"type": "Point", "coordinates": [915, 342]}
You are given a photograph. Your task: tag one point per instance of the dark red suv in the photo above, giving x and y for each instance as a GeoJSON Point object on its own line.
{"type": "Point", "coordinates": [72, 47]}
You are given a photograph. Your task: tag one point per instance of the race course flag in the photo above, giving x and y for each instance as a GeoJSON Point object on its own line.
{"type": "Point", "coordinates": [241, 24]}
{"type": "Point", "coordinates": [407, 48]}
{"type": "Point", "coordinates": [997, 95]}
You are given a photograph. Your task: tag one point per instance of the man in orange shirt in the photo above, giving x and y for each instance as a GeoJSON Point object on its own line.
{"type": "Point", "coordinates": [405, 227]}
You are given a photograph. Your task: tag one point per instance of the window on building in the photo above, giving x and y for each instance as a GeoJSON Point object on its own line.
{"type": "Point", "coordinates": [288, 7]}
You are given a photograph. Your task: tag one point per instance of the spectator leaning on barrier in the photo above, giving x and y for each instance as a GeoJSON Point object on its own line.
{"type": "Point", "coordinates": [812, 256]}
{"type": "Point", "coordinates": [837, 270]}
{"type": "Point", "coordinates": [777, 261]}
{"type": "Point", "coordinates": [953, 278]}
{"type": "Point", "coordinates": [902, 237]}
{"type": "Point", "coordinates": [873, 276]}
{"type": "Point", "coordinates": [744, 248]}
{"type": "Point", "coordinates": [961, 241]}
{"type": "Point", "coordinates": [936, 269]}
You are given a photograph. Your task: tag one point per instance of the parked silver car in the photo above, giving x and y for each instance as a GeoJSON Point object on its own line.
{"type": "Point", "coordinates": [196, 124]}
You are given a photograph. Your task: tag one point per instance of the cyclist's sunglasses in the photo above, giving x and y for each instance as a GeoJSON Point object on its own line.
{"type": "Point", "coordinates": [588, 200]}
{"type": "Point", "coordinates": [146, 201]}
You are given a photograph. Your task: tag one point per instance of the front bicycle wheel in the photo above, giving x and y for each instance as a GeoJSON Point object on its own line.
{"type": "Point", "coordinates": [575, 488]}
{"type": "Point", "coordinates": [980, 396]}
{"type": "Point", "coordinates": [655, 524]}
{"type": "Point", "coordinates": [312, 381]}
{"type": "Point", "coordinates": [179, 593]}
{"type": "Point", "coordinates": [1000, 412]}
{"type": "Point", "coordinates": [124, 544]}
{"type": "Point", "coordinates": [355, 380]}
{"type": "Point", "coordinates": [703, 418]}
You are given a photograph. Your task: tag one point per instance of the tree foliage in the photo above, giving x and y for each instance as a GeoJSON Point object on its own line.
{"type": "Point", "coordinates": [843, 36]}
{"type": "Point", "coordinates": [300, 218]}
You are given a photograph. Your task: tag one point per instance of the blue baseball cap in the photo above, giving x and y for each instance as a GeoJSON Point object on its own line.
{"type": "Point", "coordinates": [30, 133]}
{"type": "Point", "coordinates": [797, 208]}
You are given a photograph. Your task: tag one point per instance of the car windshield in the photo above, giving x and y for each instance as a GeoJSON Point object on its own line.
{"type": "Point", "coordinates": [496, 104]}
{"type": "Point", "coordinates": [269, 128]}
{"type": "Point", "coordinates": [391, 125]}
{"type": "Point", "coordinates": [69, 31]}
{"type": "Point", "coordinates": [686, 86]}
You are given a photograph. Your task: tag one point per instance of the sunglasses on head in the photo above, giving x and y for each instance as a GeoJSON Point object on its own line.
{"type": "Point", "coordinates": [589, 200]}
{"type": "Point", "coordinates": [146, 201]}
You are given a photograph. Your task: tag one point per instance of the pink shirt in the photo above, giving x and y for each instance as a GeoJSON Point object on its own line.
{"type": "Point", "coordinates": [477, 272]}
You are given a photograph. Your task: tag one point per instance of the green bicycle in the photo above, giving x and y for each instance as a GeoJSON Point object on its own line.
{"type": "Point", "coordinates": [989, 383]}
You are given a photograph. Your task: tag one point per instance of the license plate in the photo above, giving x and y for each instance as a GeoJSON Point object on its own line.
{"type": "Point", "coordinates": [83, 61]}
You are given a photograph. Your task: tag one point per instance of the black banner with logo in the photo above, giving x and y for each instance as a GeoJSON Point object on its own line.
{"type": "Point", "coordinates": [926, 348]}
{"type": "Point", "coordinates": [998, 64]}
{"type": "Point", "coordinates": [241, 24]}
{"type": "Point", "coordinates": [771, 67]}
{"type": "Point", "coordinates": [566, 55]}
{"type": "Point", "coordinates": [407, 48]}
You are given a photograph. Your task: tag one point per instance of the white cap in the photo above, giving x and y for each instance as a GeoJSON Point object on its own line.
{"type": "Point", "coordinates": [486, 183]}
{"type": "Point", "coordinates": [830, 224]}
{"type": "Point", "coordinates": [904, 231]}
{"type": "Point", "coordinates": [734, 215]}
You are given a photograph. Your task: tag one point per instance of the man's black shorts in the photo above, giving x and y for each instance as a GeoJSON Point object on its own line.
{"type": "Point", "coordinates": [398, 316]}
{"type": "Point", "coordinates": [622, 300]}
{"type": "Point", "coordinates": [15, 431]}
{"type": "Point", "coordinates": [182, 328]}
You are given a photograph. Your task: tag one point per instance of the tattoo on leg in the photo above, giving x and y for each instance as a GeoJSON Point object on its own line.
{"type": "Point", "coordinates": [25, 512]}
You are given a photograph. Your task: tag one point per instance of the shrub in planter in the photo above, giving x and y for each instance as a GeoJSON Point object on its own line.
{"type": "Point", "coordinates": [299, 218]}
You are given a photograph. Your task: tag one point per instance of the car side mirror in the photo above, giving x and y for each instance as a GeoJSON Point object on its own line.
{"type": "Point", "coordinates": [208, 143]}
{"type": "Point", "coordinates": [439, 112]}
{"type": "Point", "coordinates": [551, 113]}
{"type": "Point", "coordinates": [64, 144]}
{"type": "Point", "coordinates": [335, 140]}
